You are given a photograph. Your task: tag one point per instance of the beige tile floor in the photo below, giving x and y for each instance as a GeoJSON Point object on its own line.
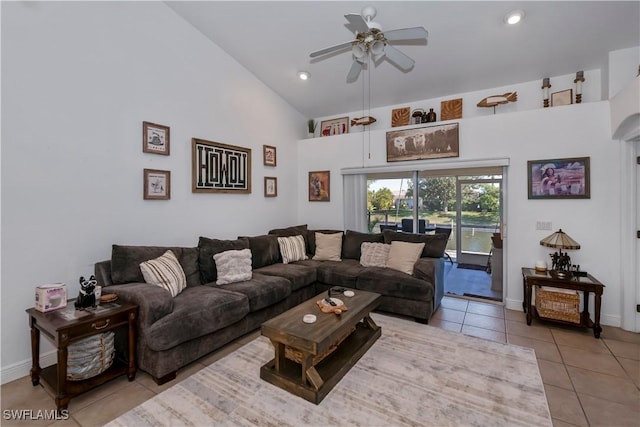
{"type": "Point", "coordinates": [588, 382]}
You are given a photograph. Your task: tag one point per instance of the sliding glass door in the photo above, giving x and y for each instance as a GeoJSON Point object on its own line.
{"type": "Point", "coordinates": [468, 201]}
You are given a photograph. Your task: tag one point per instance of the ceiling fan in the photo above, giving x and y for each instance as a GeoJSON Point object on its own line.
{"type": "Point", "coordinates": [371, 40]}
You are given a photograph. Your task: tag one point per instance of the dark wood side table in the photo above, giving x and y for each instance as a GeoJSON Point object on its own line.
{"type": "Point", "coordinates": [63, 327]}
{"type": "Point", "coordinates": [585, 284]}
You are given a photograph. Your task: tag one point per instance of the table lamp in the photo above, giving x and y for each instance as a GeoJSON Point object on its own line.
{"type": "Point", "coordinates": [561, 262]}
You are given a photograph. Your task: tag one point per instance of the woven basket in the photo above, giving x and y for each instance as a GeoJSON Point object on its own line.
{"type": "Point", "coordinates": [558, 304]}
{"type": "Point", "coordinates": [296, 355]}
{"type": "Point", "coordinates": [90, 356]}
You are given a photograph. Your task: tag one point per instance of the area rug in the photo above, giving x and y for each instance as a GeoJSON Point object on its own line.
{"type": "Point", "coordinates": [414, 375]}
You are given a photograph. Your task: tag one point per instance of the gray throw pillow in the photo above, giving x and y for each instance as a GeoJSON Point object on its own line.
{"type": "Point", "coordinates": [210, 247]}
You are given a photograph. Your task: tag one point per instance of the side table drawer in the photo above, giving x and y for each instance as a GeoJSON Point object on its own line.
{"type": "Point", "coordinates": [100, 325]}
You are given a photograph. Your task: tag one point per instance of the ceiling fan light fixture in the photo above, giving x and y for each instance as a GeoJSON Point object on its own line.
{"type": "Point", "coordinates": [514, 17]}
{"type": "Point", "coordinates": [304, 75]}
{"type": "Point", "coordinates": [377, 47]}
{"type": "Point", "coordinates": [358, 51]}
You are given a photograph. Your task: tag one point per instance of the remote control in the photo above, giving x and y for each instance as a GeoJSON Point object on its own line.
{"type": "Point", "coordinates": [330, 302]}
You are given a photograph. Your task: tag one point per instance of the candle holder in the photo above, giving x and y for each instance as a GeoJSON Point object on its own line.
{"type": "Point", "coordinates": [545, 91]}
{"type": "Point", "coordinates": [578, 81]}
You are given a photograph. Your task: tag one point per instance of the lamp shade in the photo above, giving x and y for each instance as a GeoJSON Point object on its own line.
{"type": "Point", "coordinates": [560, 240]}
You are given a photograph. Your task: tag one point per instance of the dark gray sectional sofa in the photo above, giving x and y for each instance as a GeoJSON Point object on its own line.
{"type": "Point", "coordinates": [175, 331]}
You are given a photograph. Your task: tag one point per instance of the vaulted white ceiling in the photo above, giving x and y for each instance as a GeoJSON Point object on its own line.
{"type": "Point", "coordinates": [469, 46]}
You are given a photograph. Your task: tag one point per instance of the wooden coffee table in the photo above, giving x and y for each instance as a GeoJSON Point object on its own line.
{"type": "Point", "coordinates": [311, 358]}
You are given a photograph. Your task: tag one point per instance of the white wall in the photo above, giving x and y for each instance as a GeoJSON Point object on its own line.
{"type": "Point", "coordinates": [579, 130]}
{"type": "Point", "coordinates": [78, 79]}
{"type": "Point", "coordinates": [623, 68]}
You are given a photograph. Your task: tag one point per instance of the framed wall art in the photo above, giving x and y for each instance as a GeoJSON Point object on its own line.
{"type": "Point", "coordinates": [563, 97]}
{"type": "Point", "coordinates": [219, 168]}
{"type": "Point", "coordinates": [429, 142]}
{"type": "Point", "coordinates": [319, 186]}
{"type": "Point", "coordinates": [269, 155]}
{"type": "Point", "coordinates": [157, 184]}
{"type": "Point", "coordinates": [155, 138]}
{"type": "Point", "coordinates": [559, 178]}
{"type": "Point", "coordinates": [334, 126]}
{"type": "Point", "coordinates": [270, 186]}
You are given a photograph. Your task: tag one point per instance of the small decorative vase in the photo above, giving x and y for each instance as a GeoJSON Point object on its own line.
{"type": "Point", "coordinates": [431, 116]}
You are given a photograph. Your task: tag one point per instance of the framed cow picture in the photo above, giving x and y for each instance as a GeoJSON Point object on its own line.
{"type": "Point", "coordinates": [431, 142]}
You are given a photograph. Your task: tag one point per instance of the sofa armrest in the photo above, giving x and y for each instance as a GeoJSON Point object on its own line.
{"type": "Point", "coordinates": [425, 269]}
{"type": "Point", "coordinates": [432, 271]}
{"type": "Point", "coordinates": [153, 302]}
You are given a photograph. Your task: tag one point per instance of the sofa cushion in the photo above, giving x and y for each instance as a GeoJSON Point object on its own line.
{"type": "Point", "coordinates": [296, 230]}
{"type": "Point", "coordinates": [262, 290]}
{"type": "Point", "coordinates": [434, 244]}
{"type": "Point", "coordinates": [374, 254]}
{"type": "Point", "coordinates": [125, 262]}
{"type": "Point", "coordinates": [353, 241]}
{"type": "Point", "coordinates": [166, 272]}
{"type": "Point", "coordinates": [233, 266]}
{"type": "Point", "coordinates": [197, 311]}
{"type": "Point", "coordinates": [403, 256]}
{"type": "Point", "coordinates": [292, 249]}
{"type": "Point", "coordinates": [394, 283]}
{"type": "Point", "coordinates": [210, 247]}
{"type": "Point", "coordinates": [328, 246]}
{"type": "Point", "coordinates": [264, 250]}
{"type": "Point", "coordinates": [311, 238]}
{"type": "Point", "coordinates": [299, 275]}
{"type": "Point", "coordinates": [342, 273]}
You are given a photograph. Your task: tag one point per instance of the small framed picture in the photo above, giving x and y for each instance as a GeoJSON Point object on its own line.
{"type": "Point", "coordinates": [334, 126]}
{"type": "Point", "coordinates": [270, 186]}
{"type": "Point", "coordinates": [157, 184]}
{"type": "Point", "coordinates": [269, 155]}
{"type": "Point", "coordinates": [559, 178]}
{"type": "Point", "coordinates": [564, 97]}
{"type": "Point", "coordinates": [319, 186]}
{"type": "Point", "coordinates": [155, 138]}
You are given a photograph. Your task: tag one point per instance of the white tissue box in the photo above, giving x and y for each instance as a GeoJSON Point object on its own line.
{"type": "Point", "coordinates": [51, 297]}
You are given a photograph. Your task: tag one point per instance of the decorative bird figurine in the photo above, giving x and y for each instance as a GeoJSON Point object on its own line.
{"type": "Point", "coordinates": [367, 120]}
{"type": "Point", "coordinates": [492, 101]}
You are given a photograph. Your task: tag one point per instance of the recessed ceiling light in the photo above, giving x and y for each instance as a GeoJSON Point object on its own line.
{"type": "Point", "coordinates": [303, 75]}
{"type": "Point", "coordinates": [514, 17]}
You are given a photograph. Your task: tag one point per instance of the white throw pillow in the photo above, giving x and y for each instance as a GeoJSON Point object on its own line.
{"type": "Point", "coordinates": [233, 266]}
{"type": "Point", "coordinates": [166, 272]}
{"type": "Point", "coordinates": [292, 249]}
{"type": "Point", "coordinates": [374, 254]}
{"type": "Point", "coordinates": [328, 247]}
{"type": "Point", "coordinates": [403, 255]}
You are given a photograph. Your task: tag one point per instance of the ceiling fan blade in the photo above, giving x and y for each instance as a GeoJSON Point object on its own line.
{"type": "Point", "coordinates": [398, 58]}
{"type": "Point", "coordinates": [354, 72]}
{"type": "Point", "coordinates": [358, 22]}
{"type": "Point", "coordinates": [330, 49]}
{"type": "Point", "coordinates": [406, 34]}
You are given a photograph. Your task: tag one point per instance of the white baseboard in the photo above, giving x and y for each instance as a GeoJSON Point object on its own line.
{"type": "Point", "coordinates": [22, 369]}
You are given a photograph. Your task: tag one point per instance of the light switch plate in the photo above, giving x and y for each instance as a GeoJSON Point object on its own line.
{"type": "Point", "coordinates": [543, 225]}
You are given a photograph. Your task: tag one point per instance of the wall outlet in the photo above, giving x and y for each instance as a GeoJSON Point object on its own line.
{"type": "Point", "coordinates": [543, 225]}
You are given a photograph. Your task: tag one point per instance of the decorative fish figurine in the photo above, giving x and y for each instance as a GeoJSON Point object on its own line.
{"type": "Point", "coordinates": [492, 101]}
{"type": "Point", "coordinates": [367, 120]}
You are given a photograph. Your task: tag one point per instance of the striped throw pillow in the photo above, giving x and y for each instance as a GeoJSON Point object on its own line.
{"type": "Point", "coordinates": [292, 249]}
{"type": "Point", "coordinates": [166, 272]}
